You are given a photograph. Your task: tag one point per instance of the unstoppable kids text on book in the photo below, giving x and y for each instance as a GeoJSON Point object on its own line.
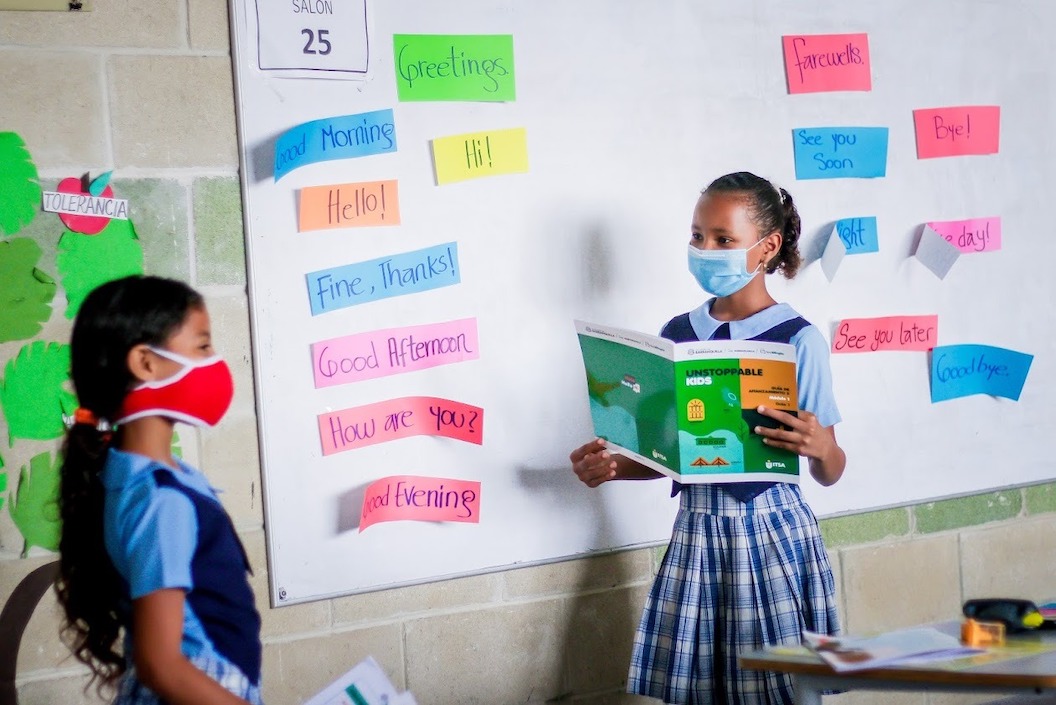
{"type": "Point", "coordinates": [689, 410]}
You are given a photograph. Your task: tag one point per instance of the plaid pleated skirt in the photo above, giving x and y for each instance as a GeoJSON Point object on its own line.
{"type": "Point", "coordinates": [131, 691]}
{"type": "Point", "coordinates": [737, 576]}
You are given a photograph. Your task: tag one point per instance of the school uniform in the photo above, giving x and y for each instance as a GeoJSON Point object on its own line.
{"type": "Point", "coordinates": [165, 528]}
{"type": "Point", "coordinates": [746, 566]}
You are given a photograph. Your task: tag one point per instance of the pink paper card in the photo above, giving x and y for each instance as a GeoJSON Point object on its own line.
{"type": "Point", "coordinates": [857, 335]}
{"type": "Point", "coordinates": [392, 351]}
{"type": "Point", "coordinates": [393, 419]}
{"type": "Point", "coordinates": [816, 63]}
{"type": "Point", "coordinates": [972, 235]}
{"type": "Point", "coordinates": [413, 498]}
{"type": "Point", "coordinates": [951, 132]}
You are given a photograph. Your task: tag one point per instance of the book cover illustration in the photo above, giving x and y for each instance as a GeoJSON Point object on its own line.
{"type": "Point", "coordinates": [688, 410]}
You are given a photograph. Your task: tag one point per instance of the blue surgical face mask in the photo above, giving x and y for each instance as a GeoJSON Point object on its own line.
{"type": "Point", "coordinates": [721, 272]}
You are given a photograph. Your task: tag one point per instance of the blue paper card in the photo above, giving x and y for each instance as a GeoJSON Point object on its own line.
{"type": "Point", "coordinates": [858, 234]}
{"type": "Point", "coordinates": [963, 370]}
{"type": "Point", "coordinates": [382, 278]}
{"type": "Point", "coordinates": [341, 137]}
{"type": "Point", "coordinates": [840, 152]}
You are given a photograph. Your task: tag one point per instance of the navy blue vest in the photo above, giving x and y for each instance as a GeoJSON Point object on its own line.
{"type": "Point", "coordinates": [679, 330]}
{"type": "Point", "coordinates": [221, 597]}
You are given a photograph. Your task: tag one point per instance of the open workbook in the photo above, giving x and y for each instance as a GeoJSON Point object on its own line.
{"type": "Point", "coordinates": [689, 410]}
{"type": "Point", "coordinates": [904, 647]}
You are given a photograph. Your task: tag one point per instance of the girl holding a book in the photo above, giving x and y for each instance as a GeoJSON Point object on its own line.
{"type": "Point", "coordinates": [746, 567]}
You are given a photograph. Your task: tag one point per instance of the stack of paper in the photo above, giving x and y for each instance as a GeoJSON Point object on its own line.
{"type": "Point", "coordinates": [365, 684]}
{"type": "Point", "coordinates": [904, 647]}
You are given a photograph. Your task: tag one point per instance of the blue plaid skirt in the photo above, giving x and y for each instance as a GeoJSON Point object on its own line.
{"type": "Point", "coordinates": [131, 690]}
{"type": "Point", "coordinates": [737, 576]}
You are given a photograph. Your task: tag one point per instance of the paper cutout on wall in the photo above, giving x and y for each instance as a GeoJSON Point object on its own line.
{"type": "Point", "coordinates": [35, 504]}
{"type": "Point", "coordinates": [859, 335]}
{"type": "Point", "coordinates": [413, 498]}
{"type": "Point", "coordinates": [963, 370]}
{"type": "Point", "coordinates": [827, 62]}
{"type": "Point", "coordinates": [833, 254]}
{"type": "Point", "coordinates": [26, 292]}
{"type": "Point", "coordinates": [340, 137]}
{"type": "Point", "coordinates": [86, 261]}
{"type": "Point", "coordinates": [393, 419]}
{"type": "Point", "coordinates": [33, 391]}
{"type": "Point", "coordinates": [971, 235]}
{"type": "Point", "coordinates": [382, 278]}
{"type": "Point", "coordinates": [936, 253]}
{"type": "Point", "coordinates": [19, 186]}
{"type": "Point", "coordinates": [85, 207]}
{"type": "Point", "coordinates": [454, 67]}
{"type": "Point", "coordinates": [380, 353]}
{"type": "Point", "coordinates": [840, 152]}
{"type": "Point", "coordinates": [956, 131]}
{"type": "Point", "coordinates": [3, 482]}
{"type": "Point", "coordinates": [479, 154]}
{"type": "Point", "coordinates": [349, 205]}
{"type": "Point", "coordinates": [859, 235]}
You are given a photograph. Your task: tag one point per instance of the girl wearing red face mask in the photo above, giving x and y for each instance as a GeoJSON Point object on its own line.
{"type": "Point", "coordinates": [146, 547]}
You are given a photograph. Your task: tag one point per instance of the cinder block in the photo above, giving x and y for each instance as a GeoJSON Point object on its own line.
{"type": "Point", "coordinates": [947, 514]}
{"type": "Point", "coordinates": [867, 527]}
{"type": "Point", "coordinates": [229, 321]}
{"type": "Point", "coordinates": [172, 111]}
{"type": "Point", "coordinates": [873, 697]}
{"type": "Point", "coordinates": [603, 626]}
{"type": "Point", "coordinates": [113, 23]}
{"type": "Point", "coordinates": [295, 670]}
{"type": "Point", "coordinates": [510, 654]}
{"type": "Point", "coordinates": [158, 210]}
{"type": "Point", "coordinates": [595, 573]}
{"type": "Point", "coordinates": [55, 102]}
{"type": "Point", "coordinates": [208, 20]}
{"type": "Point", "coordinates": [1010, 560]}
{"type": "Point", "coordinates": [218, 237]}
{"type": "Point", "coordinates": [901, 584]}
{"type": "Point", "coordinates": [474, 590]}
{"type": "Point", "coordinates": [231, 462]}
{"type": "Point", "coordinates": [65, 689]}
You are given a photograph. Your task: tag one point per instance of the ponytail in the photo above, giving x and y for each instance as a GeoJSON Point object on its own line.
{"type": "Point", "coordinates": [113, 319]}
{"type": "Point", "coordinates": [771, 210]}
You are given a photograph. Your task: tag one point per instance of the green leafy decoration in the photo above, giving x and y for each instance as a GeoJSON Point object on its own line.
{"type": "Point", "coordinates": [177, 451]}
{"type": "Point", "coordinates": [33, 391]}
{"type": "Point", "coordinates": [25, 291]}
{"type": "Point", "coordinates": [35, 505]}
{"type": "Point", "coordinates": [20, 192]}
{"type": "Point", "coordinates": [86, 261]}
{"type": "Point", "coordinates": [3, 482]}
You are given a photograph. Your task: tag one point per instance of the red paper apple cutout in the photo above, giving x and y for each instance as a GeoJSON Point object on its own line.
{"type": "Point", "coordinates": [87, 224]}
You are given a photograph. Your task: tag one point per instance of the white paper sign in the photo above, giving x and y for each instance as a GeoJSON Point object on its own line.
{"type": "Point", "coordinates": [314, 38]}
{"type": "Point", "coordinates": [365, 684]}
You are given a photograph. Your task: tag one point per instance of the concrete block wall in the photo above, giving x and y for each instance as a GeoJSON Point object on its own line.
{"type": "Point", "coordinates": [146, 89]}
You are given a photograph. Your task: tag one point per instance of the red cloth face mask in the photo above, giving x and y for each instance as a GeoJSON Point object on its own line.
{"type": "Point", "coordinates": [199, 394]}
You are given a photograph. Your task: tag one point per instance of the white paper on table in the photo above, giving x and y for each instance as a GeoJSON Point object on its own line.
{"type": "Point", "coordinates": [936, 253]}
{"type": "Point", "coordinates": [365, 684]}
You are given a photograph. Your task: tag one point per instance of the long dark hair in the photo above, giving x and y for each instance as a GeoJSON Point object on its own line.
{"type": "Point", "coordinates": [771, 210]}
{"type": "Point", "coordinates": [113, 319]}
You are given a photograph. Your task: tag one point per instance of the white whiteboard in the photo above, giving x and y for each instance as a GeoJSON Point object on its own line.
{"type": "Point", "coordinates": [630, 108]}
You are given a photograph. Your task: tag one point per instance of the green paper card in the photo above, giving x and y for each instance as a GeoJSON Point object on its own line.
{"type": "Point", "coordinates": [33, 391]}
{"type": "Point", "coordinates": [454, 67]}
{"type": "Point", "coordinates": [86, 261]}
{"type": "Point", "coordinates": [19, 189]}
{"type": "Point", "coordinates": [25, 291]}
{"type": "Point", "coordinates": [35, 505]}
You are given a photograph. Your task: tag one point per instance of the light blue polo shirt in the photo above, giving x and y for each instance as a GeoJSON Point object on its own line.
{"type": "Point", "coordinates": [151, 533]}
{"type": "Point", "coordinates": [813, 375]}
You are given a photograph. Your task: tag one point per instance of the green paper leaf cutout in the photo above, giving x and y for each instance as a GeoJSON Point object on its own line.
{"type": "Point", "coordinates": [25, 291]}
{"type": "Point", "coordinates": [20, 193]}
{"type": "Point", "coordinates": [86, 261]}
{"type": "Point", "coordinates": [33, 391]}
{"type": "Point", "coordinates": [3, 482]}
{"type": "Point", "coordinates": [176, 450]}
{"type": "Point", "coordinates": [35, 505]}
{"type": "Point", "coordinates": [97, 187]}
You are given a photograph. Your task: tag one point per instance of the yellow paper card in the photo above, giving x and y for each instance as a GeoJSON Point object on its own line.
{"type": "Point", "coordinates": [349, 205]}
{"type": "Point", "coordinates": [479, 154]}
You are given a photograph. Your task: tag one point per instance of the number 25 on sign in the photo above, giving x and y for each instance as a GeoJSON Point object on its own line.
{"type": "Point", "coordinates": [325, 38]}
